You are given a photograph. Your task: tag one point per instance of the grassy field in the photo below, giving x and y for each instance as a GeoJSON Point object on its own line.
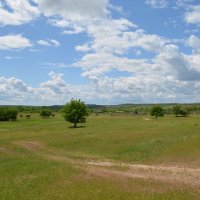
{"type": "Point", "coordinates": [105, 159]}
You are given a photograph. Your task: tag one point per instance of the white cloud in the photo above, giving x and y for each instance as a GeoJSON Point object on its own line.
{"type": "Point", "coordinates": [74, 9]}
{"type": "Point", "coordinates": [53, 91]}
{"type": "Point", "coordinates": [157, 3]}
{"type": "Point", "coordinates": [73, 30]}
{"type": "Point", "coordinates": [43, 43]}
{"type": "Point", "coordinates": [115, 8]}
{"type": "Point", "coordinates": [19, 12]}
{"type": "Point", "coordinates": [58, 91]}
{"type": "Point", "coordinates": [54, 43]}
{"type": "Point", "coordinates": [193, 15]}
{"type": "Point", "coordinates": [9, 42]}
{"type": "Point", "coordinates": [97, 64]}
{"type": "Point", "coordinates": [118, 90]}
{"type": "Point", "coordinates": [13, 91]}
{"type": "Point", "coordinates": [167, 74]}
{"type": "Point", "coordinates": [83, 48]}
{"type": "Point", "coordinates": [57, 65]}
{"type": "Point", "coordinates": [179, 66]}
{"type": "Point", "coordinates": [74, 16]}
{"type": "Point", "coordinates": [12, 84]}
{"type": "Point", "coordinates": [71, 26]}
{"type": "Point", "coordinates": [194, 43]}
{"type": "Point", "coordinates": [61, 23]}
{"type": "Point", "coordinates": [48, 43]}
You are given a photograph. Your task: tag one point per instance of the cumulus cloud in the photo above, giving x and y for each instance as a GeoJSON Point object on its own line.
{"type": "Point", "coordinates": [18, 12]}
{"type": "Point", "coordinates": [118, 90]}
{"type": "Point", "coordinates": [194, 43]}
{"type": "Point", "coordinates": [192, 16]}
{"type": "Point", "coordinates": [83, 48]}
{"type": "Point", "coordinates": [74, 9]}
{"type": "Point", "coordinates": [74, 16]}
{"type": "Point", "coordinates": [61, 23]}
{"type": "Point", "coordinates": [53, 91]}
{"type": "Point", "coordinates": [166, 74]}
{"type": "Point", "coordinates": [73, 30]}
{"type": "Point", "coordinates": [48, 43]}
{"type": "Point", "coordinates": [157, 3]}
{"type": "Point", "coordinates": [180, 66]}
{"type": "Point", "coordinates": [9, 42]}
{"type": "Point", "coordinates": [13, 91]}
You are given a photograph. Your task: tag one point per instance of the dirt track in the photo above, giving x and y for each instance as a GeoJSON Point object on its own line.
{"type": "Point", "coordinates": [111, 169]}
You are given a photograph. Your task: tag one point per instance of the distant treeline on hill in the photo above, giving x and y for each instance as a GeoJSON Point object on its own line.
{"type": "Point", "coordinates": [121, 108]}
{"type": "Point", "coordinates": [34, 109]}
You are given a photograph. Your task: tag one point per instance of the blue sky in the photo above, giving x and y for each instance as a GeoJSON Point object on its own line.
{"type": "Point", "coordinates": [101, 51]}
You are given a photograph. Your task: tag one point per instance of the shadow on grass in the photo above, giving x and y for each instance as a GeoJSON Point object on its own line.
{"type": "Point", "coordinates": [72, 127]}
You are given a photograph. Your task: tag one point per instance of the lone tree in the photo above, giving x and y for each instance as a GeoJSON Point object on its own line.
{"type": "Point", "coordinates": [75, 112]}
{"type": "Point", "coordinates": [157, 111]}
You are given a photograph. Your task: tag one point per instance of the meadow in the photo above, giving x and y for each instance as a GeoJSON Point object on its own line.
{"type": "Point", "coordinates": [109, 157]}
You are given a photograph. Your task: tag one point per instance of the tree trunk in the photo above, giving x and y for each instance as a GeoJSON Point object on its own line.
{"type": "Point", "coordinates": [75, 125]}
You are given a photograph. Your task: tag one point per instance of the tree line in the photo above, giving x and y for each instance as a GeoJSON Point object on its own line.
{"type": "Point", "coordinates": [76, 111]}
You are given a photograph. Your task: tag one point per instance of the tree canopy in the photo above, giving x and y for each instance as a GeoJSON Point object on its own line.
{"type": "Point", "coordinates": [7, 114]}
{"type": "Point", "coordinates": [75, 112]}
{"type": "Point", "coordinates": [45, 113]}
{"type": "Point", "coordinates": [157, 111]}
{"type": "Point", "coordinates": [179, 111]}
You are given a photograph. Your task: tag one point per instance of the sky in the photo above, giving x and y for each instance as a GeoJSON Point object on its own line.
{"type": "Point", "coordinates": [99, 51]}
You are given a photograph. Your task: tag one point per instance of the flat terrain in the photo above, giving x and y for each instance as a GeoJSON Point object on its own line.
{"type": "Point", "coordinates": [111, 157]}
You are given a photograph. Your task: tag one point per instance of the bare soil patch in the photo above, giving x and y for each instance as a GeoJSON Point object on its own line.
{"type": "Point", "coordinates": [167, 174]}
{"type": "Point", "coordinates": [112, 170]}
{"type": "Point", "coordinates": [30, 145]}
{"type": "Point", "coordinates": [3, 150]}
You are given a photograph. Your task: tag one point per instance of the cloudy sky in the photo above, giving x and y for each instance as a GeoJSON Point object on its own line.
{"type": "Point", "coordinates": [101, 51]}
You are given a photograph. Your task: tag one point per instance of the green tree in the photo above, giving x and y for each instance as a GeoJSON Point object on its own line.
{"type": "Point", "coordinates": [176, 110]}
{"type": "Point", "coordinates": [179, 111]}
{"type": "Point", "coordinates": [75, 112]}
{"type": "Point", "coordinates": [12, 114]}
{"type": "Point", "coordinates": [7, 114]}
{"type": "Point", "coordinates": [157, 111]}
{"type": "Point", "coordinates": [183, 113]}
{"type": "Point", "coordinates": [45, 113]}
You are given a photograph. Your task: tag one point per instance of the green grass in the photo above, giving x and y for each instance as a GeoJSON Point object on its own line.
{"type": "Point", "coordinates": [25, 174]}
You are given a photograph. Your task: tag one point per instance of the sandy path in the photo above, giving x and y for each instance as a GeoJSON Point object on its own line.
{"type": "Point", "coordinates": [163, 173]}
{"type": "Point", "coordinates": [111, 169]}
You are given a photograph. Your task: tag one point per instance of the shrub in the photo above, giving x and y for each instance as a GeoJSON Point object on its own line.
{"type": "Point", "coordinates": [45, 113]}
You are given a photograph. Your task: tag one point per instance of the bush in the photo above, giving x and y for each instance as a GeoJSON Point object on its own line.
{"type": "Point", "coordinates": [28, 116]}
{"type": "Point", "coordinates": [45, 113]}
